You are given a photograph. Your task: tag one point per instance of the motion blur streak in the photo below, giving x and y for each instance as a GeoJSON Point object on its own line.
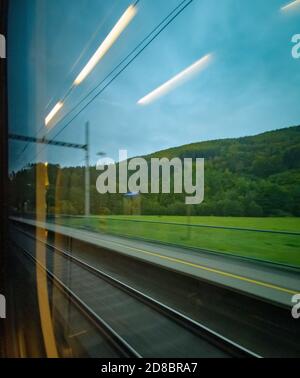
{"type": "Point", "coordinates": [42, 182]}
{"type": "Point", "coordinates": [290, 5]}
{"type": "Point", "coordinates": [107, 43]}
{"type": "Point", "coordinates": [53, 112]}
{"type": "Point", "coordinates": [177, 80]}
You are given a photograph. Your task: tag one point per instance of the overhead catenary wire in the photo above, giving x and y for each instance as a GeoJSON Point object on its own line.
{"type": "Point", "coordinates": [101, 51]}
{"type": "Point", "coordinates": [135, 52]}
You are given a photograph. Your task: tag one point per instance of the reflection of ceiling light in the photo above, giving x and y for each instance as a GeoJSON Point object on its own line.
{"type": "Point", "coordinates": [290, 5]}
{"type": "Point", "coordinates": [107, 43]}
{"type": "Point", "coordinates": [176, 80]}
{"type": "Point", "coordinates": [53, 112]}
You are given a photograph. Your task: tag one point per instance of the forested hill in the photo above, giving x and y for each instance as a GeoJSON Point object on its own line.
{"type": "Point", "coordinates": [260, 155]}
{"type": "Point", "coordinates": [250, 176]}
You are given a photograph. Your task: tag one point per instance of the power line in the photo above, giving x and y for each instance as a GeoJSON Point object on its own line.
{"type": "Point", "coordinates": [175, 12]}
{"type": "Point", "coordinates": [136, 48]}
{"type": "Point", "coordinates": [123, 60]}
{"type": "Point", "coordinates": [120, 64]}
{"type": "Point", "coordinates": [63, 99]}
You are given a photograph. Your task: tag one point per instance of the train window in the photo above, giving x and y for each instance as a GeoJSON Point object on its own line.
{"type": "Point", "coordinates": [153, 178]}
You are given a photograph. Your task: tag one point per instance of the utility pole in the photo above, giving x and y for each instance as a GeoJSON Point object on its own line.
{"type": "Point", "coordinates": [87, 169]}
{"type": "Point", "coordinates": [85, 147]}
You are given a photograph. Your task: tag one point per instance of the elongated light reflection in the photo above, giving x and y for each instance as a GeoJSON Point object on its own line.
{"type": "Point", "coordinates": [290, 5]}
{"type": "Point", "coordinates": [117, 30]}
{"type": "Point", "coordinates": [53, 112]}
{"type": "Point", "coordinates": [176, 80]}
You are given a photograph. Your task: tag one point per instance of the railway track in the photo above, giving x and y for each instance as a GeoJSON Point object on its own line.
{"type": "Point", "coordinates": [134, 323]}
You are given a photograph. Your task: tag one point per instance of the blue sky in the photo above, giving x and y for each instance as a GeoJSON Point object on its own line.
{"type": "Point", "coordinates": [252, 84]}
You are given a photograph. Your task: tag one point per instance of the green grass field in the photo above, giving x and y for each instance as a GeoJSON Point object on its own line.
{"type": "Point", "coordinates": [272, 247]}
